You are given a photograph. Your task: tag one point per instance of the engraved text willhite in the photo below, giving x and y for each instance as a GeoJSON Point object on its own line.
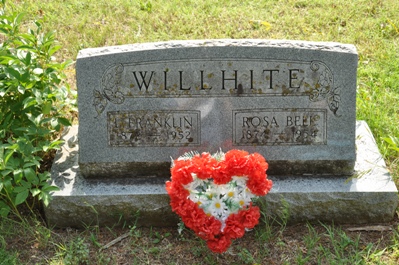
{"type": "Point", "coordinates": [255, 78]}
{"type": "Point", "coordinates": [293, 102]}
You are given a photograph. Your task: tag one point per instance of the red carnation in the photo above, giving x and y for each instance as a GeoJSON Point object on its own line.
{"type": "Point", "coordinates": [222, 175]}
{"type": "Point", "coordinates": [181, 172]}
{"type": "Point", "coordinates": [236, 162]}
{"type": "Point", "coordinates": [209, 228]}
{"type": "Point", "coordinates": [219, 245]}
{"type": "Point", "coordinates": [259, 184]}
{"type": "Point", "coordinates": [204, 165]}
{"type": "Point", "coordinates": [234, 228]}
{"type": "Point", "coordinates": [250, 217]}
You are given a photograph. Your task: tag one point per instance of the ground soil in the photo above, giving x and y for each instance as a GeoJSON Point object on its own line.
{"type": "Point", "coordinates": [167, 246]}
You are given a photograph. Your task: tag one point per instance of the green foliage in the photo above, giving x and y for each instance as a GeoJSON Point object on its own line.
{"type": "Point", "coordinates": [76, 252]}
{"type": "Point", "coordinates": [393, 143]}
{"type": "Point", "coordinates": [147, 6]}
{"type": "Point", "coordinates": [7, 258]}
{"type": "Point", "coordinates": [246, 256]}
{"type": "Point", "coordinates": [31, 104]}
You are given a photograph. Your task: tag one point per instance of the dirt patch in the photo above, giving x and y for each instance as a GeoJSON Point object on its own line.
{"type": "Point", "coordinates": [313, 244]}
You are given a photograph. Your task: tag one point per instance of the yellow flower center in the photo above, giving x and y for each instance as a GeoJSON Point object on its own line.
{"type": "Point", "coordinates": [230, 193]}
{"type": "Point", "coordinates": [199, 203]}
{"type": "Point", "coordinates": [241, 203]}
{"type": "Point", "coordinates": [217, 205]}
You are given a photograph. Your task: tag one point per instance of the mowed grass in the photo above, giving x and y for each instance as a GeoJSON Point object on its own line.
{"type": "Point", "coordinates": [372, 26]}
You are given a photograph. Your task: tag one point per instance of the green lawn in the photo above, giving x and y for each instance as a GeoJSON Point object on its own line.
{"type": "Point", "coordinates": [371, 25]}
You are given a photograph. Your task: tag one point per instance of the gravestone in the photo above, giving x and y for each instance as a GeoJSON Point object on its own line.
{"type": "Point", "coordinates": [139, 105]}
{"type": "Point", "coordinates": [293, 102]}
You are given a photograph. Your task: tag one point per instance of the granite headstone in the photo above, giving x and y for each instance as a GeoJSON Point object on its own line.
{"type": "Point", "coordinates": [141, 104]}
{"type": "Point", "coordinates": [292, 101]}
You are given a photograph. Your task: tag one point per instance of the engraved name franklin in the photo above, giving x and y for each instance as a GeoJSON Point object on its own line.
{"type": "Point", "coordinates": [153, 128]}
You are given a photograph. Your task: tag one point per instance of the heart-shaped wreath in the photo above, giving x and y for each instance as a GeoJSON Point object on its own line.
{"type": "Point", "coordinates": [213, 194]}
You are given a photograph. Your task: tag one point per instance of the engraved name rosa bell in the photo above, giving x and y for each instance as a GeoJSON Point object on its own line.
{"type": "Point", "coordinates": [217, 78]}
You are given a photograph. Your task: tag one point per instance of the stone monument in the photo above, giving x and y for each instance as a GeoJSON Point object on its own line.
{"type": "Point", "coordinates": [294, 102]}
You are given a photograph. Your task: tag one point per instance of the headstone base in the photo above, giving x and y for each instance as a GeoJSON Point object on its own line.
{"type": "Point", "coordinates": [369, 196]}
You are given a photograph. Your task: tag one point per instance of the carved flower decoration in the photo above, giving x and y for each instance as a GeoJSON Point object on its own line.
{"type": "Point", "coordinates": [325, 79]}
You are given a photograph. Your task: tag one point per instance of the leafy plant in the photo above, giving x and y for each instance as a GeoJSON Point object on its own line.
{"type": "Point", "coordinates": [76, 252]}
{"type": "Point", "coordinates": [7, 258]}
{"type": "Point", "coordinates": [312, 238]}
{"type": "Point", "coordinates": [147, 6]}
{"type": "Point", "coordinates": [32, 103]}
{"type": "Point", "coordinates": [342, 249]}
{"type": "Point", "coordinates": [246, 256]}
{"type": "Point", "coordinates": [393, 143]}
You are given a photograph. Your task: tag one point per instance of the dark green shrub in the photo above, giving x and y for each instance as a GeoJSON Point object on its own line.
{"type": "Point", "coordinates": [32, 109]}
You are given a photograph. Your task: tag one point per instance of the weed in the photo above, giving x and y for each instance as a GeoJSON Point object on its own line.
{"type": "Point", "coordinates": [76, 252]}
{"type": "Point", "coordinates": [198, 251]}
{"type": "Point", "coordinates": [94, 240]}
{"type": "Point", "coordinates": [181, 227]}
{"type": "Point", "coordinates": [312, 238]}
{"type": "Point", "coordinates": [393, 143]}
{"type": "Point", "coordinates": [134, 233]}
{"type": "Point", "coordinates": [284, 213]}
{"type": "Point", "coordinates": [6, 257]}
{"type": "Point", "coordinates": [264, 231]}
{"type": "Point", "coordinates": [102, 259]}
{"type": "Point", "coordinates": [154, 250]}
{"type": "Point", "coordinates": [272, 227]}
{"type": "Point", "coordinates": [246, 257]}
{"type": "Point", "coordinates": [343, 248]}
{"type": "Point", "coordinates": [158, 237]}
{"type": "Point", "coordinates": [42, 234]}
{"type": "Point", "coordinates": [210, 259]}
{"type": "Point", "coordinates": [301, 259]}
{"type": "Point", "coordinates": [147, 6]}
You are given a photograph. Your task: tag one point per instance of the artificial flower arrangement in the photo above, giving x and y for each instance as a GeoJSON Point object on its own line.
{"type": "Point", "coordinates": [213, 194]}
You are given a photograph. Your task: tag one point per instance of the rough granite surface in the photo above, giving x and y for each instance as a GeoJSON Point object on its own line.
{"type": "Point", "coordinates": [369, 196]}
{"type": "Point", "coordinates": [292, 101]}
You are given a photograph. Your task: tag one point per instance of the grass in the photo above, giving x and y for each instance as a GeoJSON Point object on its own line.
{"type": "Point", "coordinates": [371, 25]}
{"type": "Point", "coordinates": [296, 244]}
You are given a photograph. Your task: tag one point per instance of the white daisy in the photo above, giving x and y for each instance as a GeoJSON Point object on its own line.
{"type": "Point", "coordinates": [218, 208]}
